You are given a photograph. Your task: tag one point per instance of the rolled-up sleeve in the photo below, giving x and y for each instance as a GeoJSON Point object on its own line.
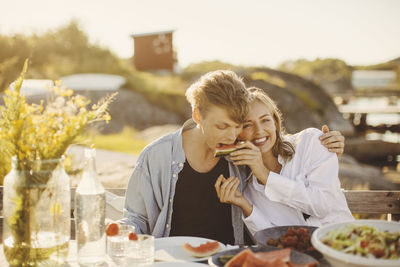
{"type": "Point", "coordinates": [313, 190]}
{"type": "Point", "coordinates": [256, 221]}
{"type": "Point", "coordinates": [135, 212]}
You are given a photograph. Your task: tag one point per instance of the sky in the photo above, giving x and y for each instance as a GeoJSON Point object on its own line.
{"type": "Point", "coordinates": [249, 33]}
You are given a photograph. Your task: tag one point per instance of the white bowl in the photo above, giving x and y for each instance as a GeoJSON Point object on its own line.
{"type": "Point", "coordinates": [338, 258]}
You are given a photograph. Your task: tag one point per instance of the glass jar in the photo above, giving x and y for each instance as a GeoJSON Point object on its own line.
{"type": "Point", "coordinates": [36, 210]}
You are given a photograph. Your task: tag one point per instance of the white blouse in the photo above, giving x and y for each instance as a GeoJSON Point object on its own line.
{"type": "Point", "coordinates": [308, 183]}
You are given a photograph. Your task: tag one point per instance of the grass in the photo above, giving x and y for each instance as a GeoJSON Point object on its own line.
{"type": "Point", "coordinates": [172, 84]}
{"type": "Point", "coordinates": [125, 141]}
{"type": "Point", "coordinates": [259, 75]}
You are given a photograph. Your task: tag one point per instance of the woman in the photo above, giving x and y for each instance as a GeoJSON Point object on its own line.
{"type": "Point", "coordinates": [294, 179]}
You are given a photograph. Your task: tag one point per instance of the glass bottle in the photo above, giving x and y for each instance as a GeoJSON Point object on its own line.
{"type": "Point", "coordinates": [90, 215]}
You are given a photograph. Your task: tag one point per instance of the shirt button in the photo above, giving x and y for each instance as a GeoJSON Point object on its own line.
{"type": "Point", "coordinates": [180, 164]}
{"type": "Point", "coordinates": [174, 175]}
{"type": "Point", "coordinates": [173, 162]}
{"type": "Point", "coordinates": [170, 200]}
{"type": "Point", "coordinates": [167, 225]}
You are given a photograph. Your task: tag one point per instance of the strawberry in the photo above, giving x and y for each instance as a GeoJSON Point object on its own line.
{"type": "Point", "coordinates": [112, 229]}
{"type": "Point", "coordinates": [133, 236]}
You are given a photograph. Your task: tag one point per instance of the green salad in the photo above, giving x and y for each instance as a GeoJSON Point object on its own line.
{"type": "Point", "coordinates": [364, 241]}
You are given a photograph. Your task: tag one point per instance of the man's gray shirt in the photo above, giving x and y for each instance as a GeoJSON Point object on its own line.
{"type": "Point", "coordinates": [151, 188]}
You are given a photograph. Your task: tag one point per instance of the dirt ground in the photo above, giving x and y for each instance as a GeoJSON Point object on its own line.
{"type": "Point", "coordinates": [114, 168]}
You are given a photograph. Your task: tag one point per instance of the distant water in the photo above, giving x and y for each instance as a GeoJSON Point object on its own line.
{"type": "Point", "coordinates": [372, 78]}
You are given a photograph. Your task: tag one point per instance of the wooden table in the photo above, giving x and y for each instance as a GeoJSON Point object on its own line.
{"type": "Point", "coordinates": [72, 260]}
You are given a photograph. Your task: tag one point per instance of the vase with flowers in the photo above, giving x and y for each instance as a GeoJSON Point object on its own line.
{"type": "Point", "coordinates": [36, 201]}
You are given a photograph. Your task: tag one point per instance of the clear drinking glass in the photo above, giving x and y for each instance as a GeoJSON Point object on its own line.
{"type": "Point", "coordinates": [117, 245]}
{"type": "Point", "coordinates": [141, 251]}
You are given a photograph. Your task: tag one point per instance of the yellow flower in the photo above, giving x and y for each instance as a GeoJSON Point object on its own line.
{"type": "Point", "coordinates": [55, 209]}
{"type": "Point", "coordinates": [67, 92]}
{"type": "Point", "coordinates": [32, 131]}
{"type": "Point", "coordinates": [106, 118]}
{"type": "Point", "coordinates": [57, 83]}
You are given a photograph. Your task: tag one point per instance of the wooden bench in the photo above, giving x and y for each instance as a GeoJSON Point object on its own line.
{"type": "Point", "coordinates": [373, 202]}
{"type": "Point", "coordinates": [360, 202]}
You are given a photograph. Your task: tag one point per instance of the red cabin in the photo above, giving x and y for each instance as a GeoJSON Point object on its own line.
{"type": "Point", "coordinates": [154, 51]}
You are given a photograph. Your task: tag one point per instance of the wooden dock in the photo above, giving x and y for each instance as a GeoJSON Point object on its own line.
{"type": "Point", "coordinates": [358, 116]}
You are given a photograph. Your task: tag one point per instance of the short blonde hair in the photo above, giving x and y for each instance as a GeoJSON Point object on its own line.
{"type": "Point", "coordinates": [283, 148]}
{"type": "Point", "coordinates": [222, 88]}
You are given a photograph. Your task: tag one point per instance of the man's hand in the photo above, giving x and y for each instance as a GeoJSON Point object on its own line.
{"type": "Point", "coordinates": [227, 192]}
{"type": "Point", "coordinates": [332, 140]}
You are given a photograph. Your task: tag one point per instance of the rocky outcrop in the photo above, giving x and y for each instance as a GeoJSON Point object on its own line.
{"type": "Point", "coordinates": [303, 103]}
{"type": "Point", "coordinates": [131, 108]}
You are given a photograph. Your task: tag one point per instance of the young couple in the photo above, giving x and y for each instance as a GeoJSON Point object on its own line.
{"type": "Point", "coordinates": [179, 188]}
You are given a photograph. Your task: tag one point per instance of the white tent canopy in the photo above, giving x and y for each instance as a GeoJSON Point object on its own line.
{"type": "Point", "coordinates": [93, 81]}
{"type": "Point", "coordinates": [87, 81]}
{"type": "Point", "coordinates": [35, 86]}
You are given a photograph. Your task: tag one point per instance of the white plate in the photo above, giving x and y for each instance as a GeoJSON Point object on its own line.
{"type": "Point", "coordinates": [170, 248]}
{"type": "Point", "coordinates": [175, 264]}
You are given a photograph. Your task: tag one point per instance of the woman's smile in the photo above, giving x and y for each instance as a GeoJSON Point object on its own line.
{"type": "Point", "coordinates": [260, 141]}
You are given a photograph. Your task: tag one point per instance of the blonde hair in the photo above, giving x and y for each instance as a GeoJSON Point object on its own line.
{"type": "Point", "coordinates": [222, 88]}
{"type": "Point", "coordinates": [283, 148]}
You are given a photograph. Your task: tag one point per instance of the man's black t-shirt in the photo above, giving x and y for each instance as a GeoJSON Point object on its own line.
{"type": "Point", "coordinates": [197, 210]}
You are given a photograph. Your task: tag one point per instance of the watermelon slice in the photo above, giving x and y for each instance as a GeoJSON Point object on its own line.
{"type": "Point", "coordinates": [204, 250]}
{"type": "Point", "coordinates": [224, 150]}
{"type": "Point", "coordinates": [247, 257]}
{"type": "Point", "coordinates": [239, 259]}
{"type": "Point", "coordinates": [282, 254]}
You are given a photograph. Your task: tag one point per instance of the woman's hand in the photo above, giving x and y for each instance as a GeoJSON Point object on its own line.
{"type": "Point", "coordinates": [332, 140]}
{"type": "Point", "coordinates": [227, 192]}
{"type": "Point", "coordinates": [250, 155]}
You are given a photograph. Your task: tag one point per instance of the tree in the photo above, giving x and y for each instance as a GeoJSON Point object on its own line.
{"type": "Point", "coordinates": [54, 54]}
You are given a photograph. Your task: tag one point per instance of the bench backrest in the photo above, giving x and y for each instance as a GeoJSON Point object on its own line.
{"type": "Point", "coordinates": [359, 202]}
{"type": "Point", "coordinates": [373, 202]}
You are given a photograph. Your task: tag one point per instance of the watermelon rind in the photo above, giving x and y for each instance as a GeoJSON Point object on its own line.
{"type": "Point", "coordinates": [192, 250]}
{"type": "Point", "coordinates": [224, 152]}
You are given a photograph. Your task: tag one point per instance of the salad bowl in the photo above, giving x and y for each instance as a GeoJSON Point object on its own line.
{"type": "Point", "coordinates": [338, 234]}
